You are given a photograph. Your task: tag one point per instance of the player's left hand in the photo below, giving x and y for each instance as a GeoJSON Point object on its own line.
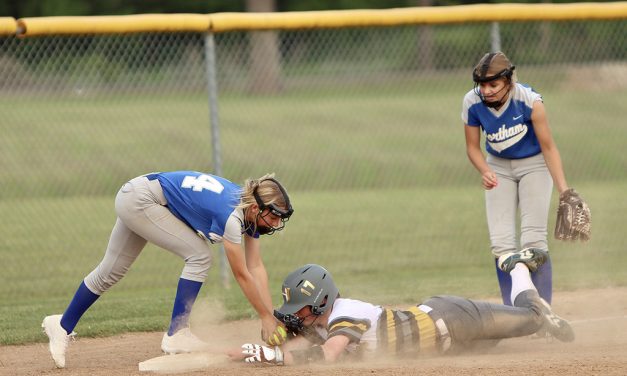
{"type": "Point", "coordinates": [573, 217]}
{"type": "Point", "coordinates": [262, 354]}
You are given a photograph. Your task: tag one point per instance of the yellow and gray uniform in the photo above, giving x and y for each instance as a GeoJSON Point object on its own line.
{"type": "Point", "coordinates": [440, 324]}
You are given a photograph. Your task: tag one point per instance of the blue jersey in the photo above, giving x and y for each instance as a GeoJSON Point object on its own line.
{"type": "Point", "coordinates": [509, 131]}
{"type": "Point", "coordinates": [206, 203]}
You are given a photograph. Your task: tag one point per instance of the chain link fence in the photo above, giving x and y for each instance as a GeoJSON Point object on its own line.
{"type": "Point", "coordinates": [370, 116]}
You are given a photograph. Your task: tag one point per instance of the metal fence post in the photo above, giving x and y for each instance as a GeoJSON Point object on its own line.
{"type": "Point", "coordinates": [495, 37]}
{"type": "Point", "coordinates": [214, 120]}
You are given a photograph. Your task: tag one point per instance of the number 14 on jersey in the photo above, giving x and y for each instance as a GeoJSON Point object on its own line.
{"type": "Point", "coordinates": [200, 182]}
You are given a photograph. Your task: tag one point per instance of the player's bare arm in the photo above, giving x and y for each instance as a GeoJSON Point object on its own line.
{"type": "Point", "coordinates": [335, 347]}
{"type": "Point", "coordinates": [257, 269]}
{"type": "Point", "coordinates": [296, 351]}
{"type": "Point", "coordinates": [547, 144]}
{"type": "Point", "coordinates": [237, 261]}
{"type": "Point", "coordinates": [304, 351]}
{"type": "Point", "coordinates": [473, 150]}
{"type": "Point", "coordinates": [270, 328]}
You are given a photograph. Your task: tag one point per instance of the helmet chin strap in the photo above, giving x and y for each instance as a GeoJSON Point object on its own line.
{"type": "Point", "coordinates": [316, 319]}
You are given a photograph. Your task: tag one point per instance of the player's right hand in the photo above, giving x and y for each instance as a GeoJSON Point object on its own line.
{"type": "Point", "coordinates": [278, 337]}
{"type": "Point", "coordinates": [273, 332]}
{"type": "Point", "coordinates": [489, 180]}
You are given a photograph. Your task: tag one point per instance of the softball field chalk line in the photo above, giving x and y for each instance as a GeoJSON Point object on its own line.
{"type": "Point", "coordinates": [598, 319]}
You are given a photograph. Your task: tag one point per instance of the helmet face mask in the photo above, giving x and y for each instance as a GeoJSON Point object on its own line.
{"type": "Point", "coordinates": [491, 62]}
{"type": "Point", "coordinates": [293, 323]}
{"type": "Point", "coordinates": [493, 103]}
{"type": "Point", "coordinates": [310, 285]}
{"type": "Point", "coordinates": [283, 214]}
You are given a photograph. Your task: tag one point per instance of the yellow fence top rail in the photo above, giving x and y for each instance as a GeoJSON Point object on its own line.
{"type": "Point", "coordinates": [7, 25]}
{"type": "Point", "coordinates": [140, 23]}
{"type": "Point", "coordinates": [223, 22]}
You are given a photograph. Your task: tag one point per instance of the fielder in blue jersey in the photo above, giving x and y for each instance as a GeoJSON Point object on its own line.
{"type": "Point", "coordinates": [521, 166]}
{"type": "Point", "coordinates": [184, 212]}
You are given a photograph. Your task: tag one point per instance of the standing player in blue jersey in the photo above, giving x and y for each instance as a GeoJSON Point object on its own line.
{"type": "Point", "coordinates": [521, 166]}
{"type": "Point", "coordinates": [183, 212]}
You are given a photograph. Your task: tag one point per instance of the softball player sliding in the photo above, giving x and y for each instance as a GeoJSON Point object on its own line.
{"type": "Point", "coordinates": [327, 327]}
{"type": "Point", "coordinates": [183, 212]}
{"type": "Point", "coordinates": [521, 166]}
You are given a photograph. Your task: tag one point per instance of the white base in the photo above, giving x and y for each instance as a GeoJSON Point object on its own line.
{"type": "Point", "coordinates": [181, 362]}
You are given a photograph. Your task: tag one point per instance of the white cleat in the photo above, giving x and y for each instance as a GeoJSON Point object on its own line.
{"type": "Point", "coordinates": [532, 257]}
{"type": "Point", "coordinates": [59, 339]}
{"type": "Point", "coordinates": [183, 341]}
{"type": "Point", "coordinates": [555, 325]}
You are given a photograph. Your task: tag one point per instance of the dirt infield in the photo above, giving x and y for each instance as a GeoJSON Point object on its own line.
{"type": "Point", "coordinates": [598, 316]}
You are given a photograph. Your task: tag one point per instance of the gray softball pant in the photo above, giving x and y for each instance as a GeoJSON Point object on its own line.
{"type": "Point", "coordinates": [144, 217]}
{"type": "Point", "coordinates": [524, 184]}
{"type": "Point", "coordinates": [474, 324]}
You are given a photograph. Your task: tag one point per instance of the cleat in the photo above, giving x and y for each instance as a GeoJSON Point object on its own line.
{"type": "Point", "coordinates": [542, 334]}
{"type": "Point", "coordinates": [554, 325]}
{"type": "Point", "coordinates": [532, 257]}
{"type": "Point", "coordinates": [59, 339]}
{"type": "Point", "coordinates": [183, 341]}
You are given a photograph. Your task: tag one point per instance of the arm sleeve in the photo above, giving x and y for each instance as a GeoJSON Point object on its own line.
{"type": "Point", "coordinates": [233, 230]}
{"type": "Point", "coordinates": [350, 327]}
{"type": "Point", "coordinates": [468, 115]}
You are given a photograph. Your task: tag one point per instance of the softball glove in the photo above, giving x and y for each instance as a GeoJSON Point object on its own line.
{"type": "Point", "coordinates": [573, 217]}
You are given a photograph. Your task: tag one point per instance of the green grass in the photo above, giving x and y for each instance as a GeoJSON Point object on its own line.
{"type": "Point", "coordinates": [384, 194]}
{"type": "Point", "coordinates": [403, 136]}
{"type": "Point", "coordinates": [386, 246]}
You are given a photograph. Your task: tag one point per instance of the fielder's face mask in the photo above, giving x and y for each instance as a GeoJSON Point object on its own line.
{"type": "Point", "coordinates": [480, 75]}
{"type": "Point", "coordinates": [293, 323]}
{"type": "Point", "coordinates": [284, 214]}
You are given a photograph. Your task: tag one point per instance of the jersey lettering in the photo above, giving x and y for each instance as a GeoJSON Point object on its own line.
{"type": "Point", "coordinates": [201, 182]}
